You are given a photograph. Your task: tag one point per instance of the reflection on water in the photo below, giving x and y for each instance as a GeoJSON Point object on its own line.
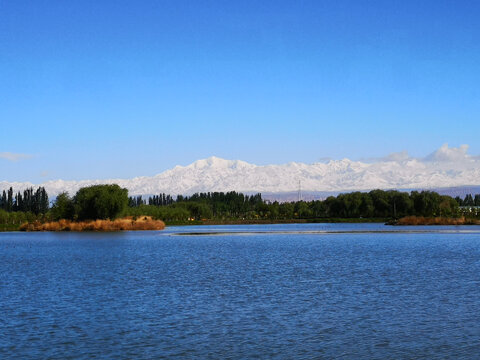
{"type": "Point", "coordinates": [277, 291]}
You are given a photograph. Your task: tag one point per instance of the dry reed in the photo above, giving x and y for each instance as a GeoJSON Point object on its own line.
{"type": "Point", "coordinates": [124, 224]}
{"type": "Point", "coordinates": [420, 220]}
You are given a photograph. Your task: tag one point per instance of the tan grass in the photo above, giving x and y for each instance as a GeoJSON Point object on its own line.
{"type": "Point", "coordinates": [125, 224]}
{"type": "Point", "coordinates": [420, 220]}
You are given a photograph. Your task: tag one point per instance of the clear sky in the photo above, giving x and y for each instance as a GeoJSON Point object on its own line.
{"type": "Point", "coordinates": [108, 89]}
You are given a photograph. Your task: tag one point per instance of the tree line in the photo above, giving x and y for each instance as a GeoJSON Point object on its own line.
{"type": "Point", "coordinates": [89, 203]}
{"type": "Point", "coordinates": [232, 205]}
{"type": "Point", "coordinates": [199, 206]}
{"type": "Point", "coordinates": [111, 201]}
{"type": "Point", "coordinates": [469, 200]}
{"type": "Point", "coordinates": [28, 201]}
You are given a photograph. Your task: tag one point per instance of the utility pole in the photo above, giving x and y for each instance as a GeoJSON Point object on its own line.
{"type": "Point", "coordinates": [299, 190]}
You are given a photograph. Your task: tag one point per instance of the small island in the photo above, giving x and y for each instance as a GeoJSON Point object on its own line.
{"type": "Point", "coordinates": [93, 208]}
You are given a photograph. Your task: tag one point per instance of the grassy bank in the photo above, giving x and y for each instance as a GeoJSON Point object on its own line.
{"type": "Point", "coordinates": [420, 220]}
{"type": "Point", "coordinates": [124, 224]}
{"type": "Point", "coordinates": [148, 223]}
{"type": "Point", "coordinates": [10, 227]}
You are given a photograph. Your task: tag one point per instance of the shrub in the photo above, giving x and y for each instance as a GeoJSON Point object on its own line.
{"type": "Point", "coordinates": [100, 202]}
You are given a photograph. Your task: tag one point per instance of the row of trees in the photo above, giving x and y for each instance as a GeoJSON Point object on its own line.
{"type": "Point", "coordinates": [206, 205]}
{"type": "Point", "coordinates": [395, 204]}
{"type": "Point", "coordinates": [28, 201]}
{"type": "Point", "coordinates": [469, 200]}
{"type": "Point", "coordinates": [374, 204]}
{"type": "Point", "coordinates": [156, 200]}
{"type": "Point", "coordinates": [111, 201]}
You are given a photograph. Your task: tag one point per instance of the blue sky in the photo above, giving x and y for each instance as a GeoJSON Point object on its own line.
{"type": "Point", "coordinates": [106, 89]}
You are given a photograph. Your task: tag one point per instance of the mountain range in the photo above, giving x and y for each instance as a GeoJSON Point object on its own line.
{"type": "Point", "coordinates": [444, 168]}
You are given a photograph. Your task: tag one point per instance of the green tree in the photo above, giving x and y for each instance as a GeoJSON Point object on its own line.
{"type": "Point", "coordinates": [477, 200]}
{"type": "Point", "coordinates": [287, 210]}
{"type": "Point", "coordinates": [100, 201]}
{"type": "Point", "coordinates": [448, 206]}
{"type": "Point", "coordinates": [366, 207]}
{"type": "Point", "coordinates": [302, 210]}
{"type": "Point", "coordinates": [381, 203]}
{"type": "Point", "coordinates": [469, 200]}
{"type": "Point", "coordinates": [401, 203]}
{"type": "Point", "coordinates": [319, 209]}
{"type": "Point", "coordinates": [199, 210]}
{"type": "Point", "coordinates": [63, 208]}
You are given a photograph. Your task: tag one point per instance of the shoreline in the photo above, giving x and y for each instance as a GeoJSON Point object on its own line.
{"type": "Point", "coordinates": [273, 222]}
{"type": "Point", "coordinates": [146, 223]}
{"type": "Point", "coordinates": [124, 224]}
{"type": "Point", "coordinates": [433, 221]}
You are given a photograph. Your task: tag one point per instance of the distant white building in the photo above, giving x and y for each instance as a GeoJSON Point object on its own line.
{"type": "Point", "coordinates": [474, 210]}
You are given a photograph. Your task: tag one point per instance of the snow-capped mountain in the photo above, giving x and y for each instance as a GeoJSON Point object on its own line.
{"type": "Point", "coordinates": [446, 167]}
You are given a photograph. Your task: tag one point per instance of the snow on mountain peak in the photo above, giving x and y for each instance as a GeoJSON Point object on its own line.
{"type": "Point", "coordinates": [448, 166]}
{"type": "Point", "coordinates": [214, 162]}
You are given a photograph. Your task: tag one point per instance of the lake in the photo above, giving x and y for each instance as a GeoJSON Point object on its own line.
{"type": "Point", "coordinates": [303, 291]}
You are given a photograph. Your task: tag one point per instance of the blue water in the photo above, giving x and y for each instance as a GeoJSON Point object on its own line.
{"type": "Point", "coordinates": [356, 294]}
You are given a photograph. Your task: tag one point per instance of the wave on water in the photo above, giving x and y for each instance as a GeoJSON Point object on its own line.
{"type": "Point", "coordinates": [326, 232]}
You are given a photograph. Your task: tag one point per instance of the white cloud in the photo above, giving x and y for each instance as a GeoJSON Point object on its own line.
{"type": "Point", "coordinates": [449, 154]}
{"type": "Point", "coordinates": [14, 157]}
{"type": "Point", "coordinates": [398, 156]}
{"type": "Point", "coordinates": [444, 154]}
{"type": "Point", "coordinates": [395, 157]}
